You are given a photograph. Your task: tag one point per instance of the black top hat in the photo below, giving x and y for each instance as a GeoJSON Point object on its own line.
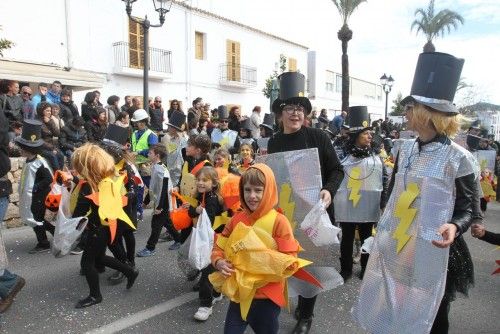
{"type": "Point", "coordinates": [473, 142]}
{"type": "Point", "coordinates": [32, 134]}
{"type": "Point", "coordinates": [177, 120]}
{"type": "Point", "coordinates": [268, 121]}
{"type": "Point", "coordinates": [292, 87]}
{"type": "Point", "coordinates": [358, 119]}
{"type": "Point", "coordinates": [388, 144]}
{"type": "Point", "coordinates": [116, 135]}
{"type": "Point", "coordinates": [435, 81]}
{"type": "Point", "coordinates": [223, 112]}
{"type": "Point", "coordinates": [246, 124]}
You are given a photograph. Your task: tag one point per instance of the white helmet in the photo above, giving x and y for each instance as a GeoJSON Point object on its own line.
{"type": "Point", "coordinates": [140, 115]}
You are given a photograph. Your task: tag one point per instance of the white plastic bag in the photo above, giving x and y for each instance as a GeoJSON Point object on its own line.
{"type": "Point", "coordinates": [318, 227]}
{"type": "Point", "coordinates": [68, 229]}
{"type": "Point", "coordinates": [202, 241]}
{"type": "Point", "coordinates": [366, 248]}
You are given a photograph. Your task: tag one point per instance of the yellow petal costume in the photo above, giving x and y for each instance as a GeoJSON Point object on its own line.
{"type": "Point", "coordinates": [111, 203]}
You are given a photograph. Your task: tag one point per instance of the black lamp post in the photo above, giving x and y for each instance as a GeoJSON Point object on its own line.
{"type": "Point", "coordinates": [162, 7]}
{"type": "Point", "coordinates": [386, 83]}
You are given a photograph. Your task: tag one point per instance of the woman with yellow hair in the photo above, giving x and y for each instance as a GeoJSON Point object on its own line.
{"type": "Point", "coordinates": [101, 201]}
{"type": "Point", "coordinates": [419, 259]}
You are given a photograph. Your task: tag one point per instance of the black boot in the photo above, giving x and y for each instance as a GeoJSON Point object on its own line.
{"type": "Point", "coordinates": [303, 326]}
{"type": "Point", "coordinates": [116, 278]}
{"type": "Point", "coordinates": [131, 279]}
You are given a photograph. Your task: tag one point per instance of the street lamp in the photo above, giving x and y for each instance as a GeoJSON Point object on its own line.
{"type": "Point", "coordinates": [386, 83]}
{"type": "Point", "coordinates": [162, 7]}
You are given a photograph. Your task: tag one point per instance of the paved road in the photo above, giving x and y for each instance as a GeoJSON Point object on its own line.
{"type": "Point", "coordinates": [162, 300]}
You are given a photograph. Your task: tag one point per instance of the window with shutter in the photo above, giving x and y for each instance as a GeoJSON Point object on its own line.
{"type": "Point", "coordinates": [136, 44]}
{"type": "Point", "coordinates": [233, 60]}
{"type": "Point", "coordinates": [199, 45]}
{"type": "Point", "coordinates": [292, 64]}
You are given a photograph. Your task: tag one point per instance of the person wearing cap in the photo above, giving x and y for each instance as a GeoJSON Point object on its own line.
{"type": "Point", "coordinates": [142, 139]}
{"type": "Point", "coordinates": [419, 259]}
{"type": "Point", "coordinates": [292, 107]}
{"type": "Point", "coordinates": [115, 144]}
{"type": "Point", "coordinates": [37, 177]}
{"type": "Point", "coordinates": [363, 192]}
{"type": "Point", "coordinates": [10, 283]}
{"type": "Point", "coordinates": [223, 136]}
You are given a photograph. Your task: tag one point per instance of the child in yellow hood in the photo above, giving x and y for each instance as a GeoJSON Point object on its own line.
{"type": "Point", "coordinates": [258, 196]}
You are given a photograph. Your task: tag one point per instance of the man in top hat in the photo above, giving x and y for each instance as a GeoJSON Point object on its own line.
{"type": "Point", "coordinates": [434, 187]}
{"type": "Point", "coordinates": [223, 136]}
{"type": "Point", "coordinates": [291, 107]}
{"type": "Point", "coordinates": [142, 139]}
{"type": "Point", "coordinates": [175, 140]}
{"type": "Point", "coordinates": [37, 177]}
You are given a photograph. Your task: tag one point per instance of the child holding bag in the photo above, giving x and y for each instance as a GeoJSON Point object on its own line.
{"type": "Point", "coordinates": [207, 187]}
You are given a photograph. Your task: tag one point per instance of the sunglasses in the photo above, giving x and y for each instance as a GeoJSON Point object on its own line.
{"type": "Point", "coordinates": [157, 101]}
{"type": "Point", "coordinates": [26, 93]}
{"type": "Point", "coordinates": [224, 121]}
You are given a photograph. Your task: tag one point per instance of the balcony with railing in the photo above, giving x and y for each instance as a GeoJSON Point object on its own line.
{"type": "Point", "coordinates": [129, 61]}
{"type": "Point", "coordinates": [236, 75]}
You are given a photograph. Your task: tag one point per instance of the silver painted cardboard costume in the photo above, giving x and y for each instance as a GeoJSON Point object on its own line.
{"type": "Point", "coordinates": [174, 156]}
{"type": "Point", "coordinates": [358, 198]}
{"type": "Point", "coordinates": [402, 291]}
{"type": "Point", "coordinates": [158, 172]}
{"type": "Point", "coordinates": [224, 138]}
{"type": "Point", "coordinates": [298, 177]}
{"type": "Point", "coordinates": [26, 185]}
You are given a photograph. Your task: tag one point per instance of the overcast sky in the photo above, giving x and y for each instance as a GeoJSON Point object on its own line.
{"type": "Point", "coordinates": [382, 40]}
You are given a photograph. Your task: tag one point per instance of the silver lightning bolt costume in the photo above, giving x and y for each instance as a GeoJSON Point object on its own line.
{"type": "Point", "coordinates": [401, 292]}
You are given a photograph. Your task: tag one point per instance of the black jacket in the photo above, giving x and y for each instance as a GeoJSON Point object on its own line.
{"type": "Point", "coordinates": [71, 137]}
{"type": "Point", "coordinates": [89, 112]}
{"type": "Point", "coordinates": [5, 184]}
{"type": "Point", "coordinates": [213, 206]}
{"type": "Point", "coordinates": [95, 131]}
{"type": "Point", "coordinates": [156, 119]}
{"type": "Point", "coordinates": [68, 111]}
{"type": "Point", "coordinates": [332, 172]}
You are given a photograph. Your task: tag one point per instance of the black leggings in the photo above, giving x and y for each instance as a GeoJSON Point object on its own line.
{"type": "Point", "coordinates": [157, 222]}
{"type": "Point", "coordinates": [41, 235]}
{"type": "Point", "coordinates": [441, 323]}
{"type": "Point", "coordinates": [348, 229]}
{"type": "Point", "coordinates": [94, 255]}
{"type": "Point", "coordinates": [124, 252]}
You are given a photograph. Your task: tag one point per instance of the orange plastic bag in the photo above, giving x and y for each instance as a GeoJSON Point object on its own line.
{"type": "Point", "coordinates": [180, 216]}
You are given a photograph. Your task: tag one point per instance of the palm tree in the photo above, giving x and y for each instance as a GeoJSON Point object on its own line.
{"type": "Point", "coordinates": [345, 8]}
{"type": "Point", "coordinates": [433, 25]}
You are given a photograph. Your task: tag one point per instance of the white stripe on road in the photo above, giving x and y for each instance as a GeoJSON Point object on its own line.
{"type": "Point", "coordinates": [146, 314]}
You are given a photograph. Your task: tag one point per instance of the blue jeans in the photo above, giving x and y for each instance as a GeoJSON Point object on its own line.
{"type": "Point", "coordinates": [262, 318]}
{"type": "Point", "coordinates": [4, 202]}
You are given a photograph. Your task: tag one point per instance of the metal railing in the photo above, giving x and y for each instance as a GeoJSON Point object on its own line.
{"type": "Point", "coordinates": [159, 60]}
{"type": "Point", "coordinates": [230, 72]}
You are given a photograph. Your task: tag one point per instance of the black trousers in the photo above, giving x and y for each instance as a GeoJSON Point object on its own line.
{"type": "Point", "coordinates": [41, 232]}
{"type": "Point", "coordinates": [206, 292]}
{"type": "Point", "coordinates": [441, 323]}
{"type": "Point", "coordinates": [94, 255]}
{"type": "Point", "coordinates": [306, 307]}
{"type": "Point", "coordinates": [124, 252]}
{"type": "Point", "coordinates": [157, 222]}
{"type": "Point", "coordinates": [346, 245]}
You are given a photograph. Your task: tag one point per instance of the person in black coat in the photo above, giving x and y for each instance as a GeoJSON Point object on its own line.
{"type": "Point", "coordinates": [96, 128]}
{"type": "Point", "coordinates": [69, 110]}
{"type": "Point", "coordinates": [72, 136]}
{"type": "Point", "coordinates": [291, 108]}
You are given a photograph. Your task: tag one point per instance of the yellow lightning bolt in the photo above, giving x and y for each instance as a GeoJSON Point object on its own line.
{"type": "Point", "coordinates": [355, 185]}
{"type": "Point", "coordinates": [286, 204]}
{"type": "Point", "coordinates": [405, 215]}
{"type": "Point", "coordinates": [224, 142]}
{"type": "Point", "coordinates": [483, 164]}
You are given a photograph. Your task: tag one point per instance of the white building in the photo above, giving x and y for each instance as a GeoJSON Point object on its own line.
{"type": "Point", "coordinates": [325, 88]}
{"type": "Point", "coordinates": [490, 121]}
{"type": "Point", "coordinates": [91, 44]}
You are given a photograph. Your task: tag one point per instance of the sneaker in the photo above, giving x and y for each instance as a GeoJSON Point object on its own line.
{"type": "Point", "coordinates": [76, 251]}
{"type": "Point", "coordinates": [116, 278]}
{"type": "Point", "coordinates": [89, 301]}
{"type": "Point", "coordinates": [7, 301]}
{"type": "Point", "coordinates": [174, 246]}
{"type": "Point", "coordinates": [146, 252]}
{"type": "Point", "coordinates": [217, 299]}
{"type": "Point", "coordinates": [203, 313]}
{"type": "Point", "coordinates": [164, 237]}
{"type": "Point", "coordinates": [39, 249]}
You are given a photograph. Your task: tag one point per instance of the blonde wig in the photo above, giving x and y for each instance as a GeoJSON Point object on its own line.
{"type": "Point", "coordinates": [93, 164]}
{"type": "Point", "coordinates": [443, 123]}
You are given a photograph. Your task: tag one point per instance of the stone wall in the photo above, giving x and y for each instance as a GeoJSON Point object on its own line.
{"type": "Point", "coordinates": [12, 215]}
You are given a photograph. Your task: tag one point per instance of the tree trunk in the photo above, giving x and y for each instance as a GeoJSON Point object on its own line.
{"type": "Point", "coordinates": [429, 47]}
{"type": "Point", "coordinates": [345, 35]}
